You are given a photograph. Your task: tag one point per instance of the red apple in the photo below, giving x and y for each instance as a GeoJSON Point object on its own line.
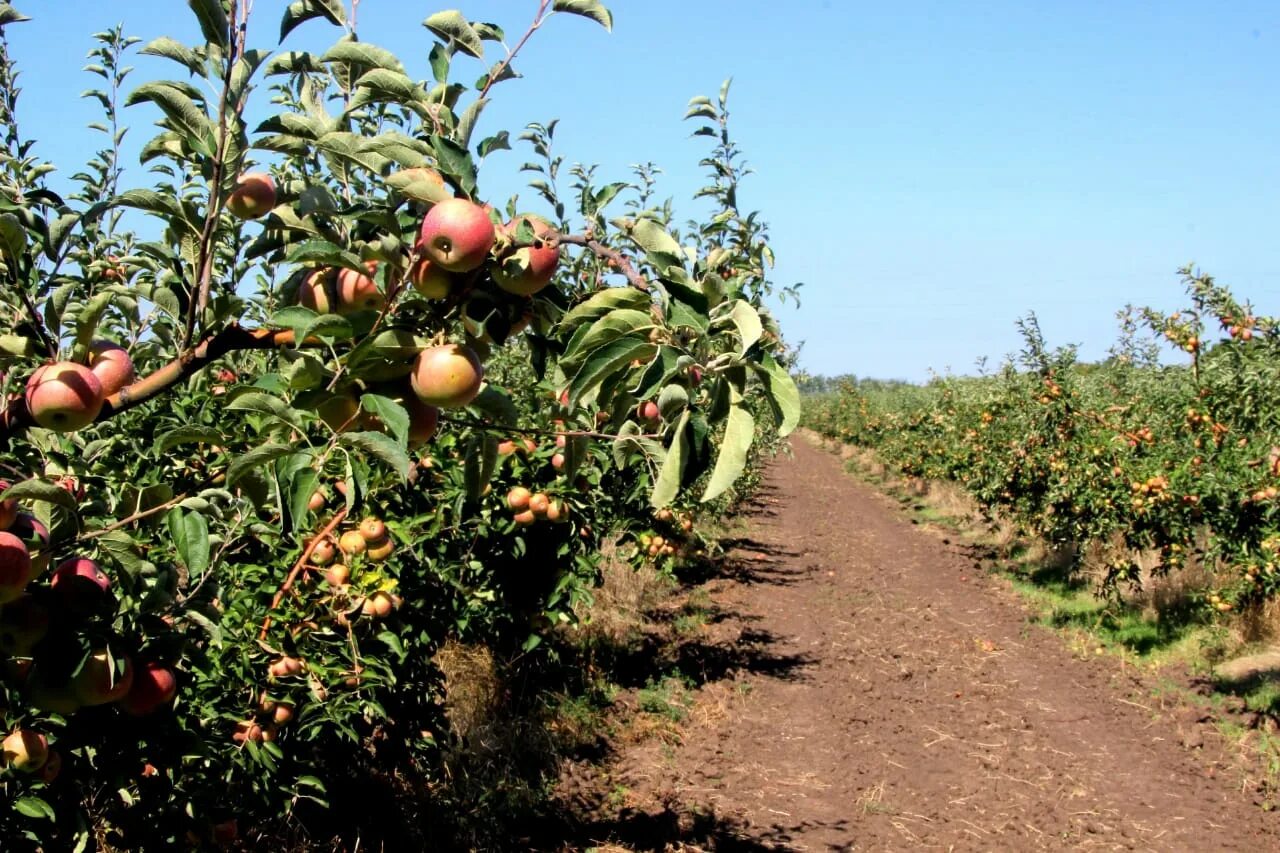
{"type": "Point", "coordinates": [648, 411]}
{"type": "Point", "coordinates": [424, 419]}
{"type": "Point", "coordinates": [457, 234]}
{"type": "Point", "coordinates": [98, 682]}
{"type": "Point", "coordinates": [111, 364]}
{"type": "Point", "coordinates": [25, 750]}
{"type": "Point", "coordinates": [80, 584]}
{"type": "Point", "coordinates": [358, 292]}
{"type": "Point", "coordinates": [64, 396]}
{"type": "Point", "coordinates": [153, 685]}
{"type": "Point", "coordinates": [316, 290]}
{"type": "Point", "coordinates": [448, 376]}
{"type": "Point", "coordinates": [15, 567]}
{"type": "Point", "coordinates": [253, 197]}
{"type": "Point", "coordinates": [431, 280]}
{"type": "Point", "coordinates": [527, 269]}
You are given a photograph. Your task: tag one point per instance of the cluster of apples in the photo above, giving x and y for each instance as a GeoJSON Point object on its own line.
{"type": "Point", "coordinates": [527, 507]}
{"type": "Point", "coordinates": [368, 540]}
{"type": "Point", "coordinates": [271, 716]}
{"type": "Point", "coordinates": [65, 396]}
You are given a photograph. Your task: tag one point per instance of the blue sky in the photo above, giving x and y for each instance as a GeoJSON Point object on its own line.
{"type": "Point", "coordinates": [931, 170]}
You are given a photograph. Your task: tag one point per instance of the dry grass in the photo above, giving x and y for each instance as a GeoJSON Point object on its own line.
{"type": "Point", "coordinates": [472, 687]}
{"type": "Point", "coordinates": [618, 607]}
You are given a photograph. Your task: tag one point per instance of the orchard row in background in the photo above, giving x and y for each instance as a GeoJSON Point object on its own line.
{"type": "Point", "coordinates": [1133, 455]}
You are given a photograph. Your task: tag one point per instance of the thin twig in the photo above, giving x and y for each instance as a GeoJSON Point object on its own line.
{"type": "Point", "coordinates": [496, 74]}
{"type": "Point", "coordinates": [622, 262]}
{"type": "Point", "coordinates": [298, 567]}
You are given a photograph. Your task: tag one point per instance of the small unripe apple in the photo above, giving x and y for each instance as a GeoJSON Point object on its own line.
{"type": "Point", "coordinates": [64, 396]}
{"type": "Point", "coordinates": [338, 576]}
{"type": "Point", "coordinates": [154, 685]}
{"type": "Point", "coordinates": [538, 504]}
{"type": "Point", "coordinates": [352, 543]}
{"type": "Point", "coordinates": [317, 500]}
{"type": "Point", "coordinates": [316, 290]}
{"type": "Point", "coordinates": [524, 519]}
{"type": "Point", "coordinates": [358, 292]}
{"type": "Point", "coordinates": [557, 511]}
{"type": "Point", "coordinates": [380, 604]}
{"type": "Point", "coordinates": [506, 448]}
{"type": "Point", "coordinates": [285, 666]}
{"type": "Point", "coordinates": [526, 270]}
{"type": "Point", "coordinates": [448, 376]}
{"type": "Point", "coordinates": [111, 363]}
{"type": "Point", "coordinates": [557, 461]}
{"type": "Point", "coordinates": [25, 750]}
{"type": "Point", "coordinates": [457, 234]}
{"type": "Point", "coordinates": [15, 567]}
{"type": "Point", "coordinates": [373, 529]}
{"type": "Point", "coordinates": [324, 552]}
{"type": "Point", "coordinates": [253, 197]}
{"type": "Point", "coordinates": [380, 549]}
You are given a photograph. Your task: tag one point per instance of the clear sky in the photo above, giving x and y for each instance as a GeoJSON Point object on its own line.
{"type": "Point", "coordinates": [931, 170]}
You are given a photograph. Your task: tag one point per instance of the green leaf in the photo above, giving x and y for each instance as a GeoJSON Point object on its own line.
{"type": "Point", "coordinates": [266, 404]}
{"type": "Point", "coordinates": [213, 21]}
{"type": "Point", "coordinates": [324, 253]}
{"type": "Point", "coordinates": [672, 400]}
{"type": "Point", "coordinates": [593, 9]}
{"type": "Point", "coordinates": [657, 373]}
{"type": "Point", "coordinates": [418, 187]}
{"type": "Point", "coordinates": [604, 362]}
{"type": "Point", "coordinates": [191, 434]}
{"type": "Point", "coordinates": [496, 405]}
{"type": "Point", "coordinates": [87, 323]}
{"type": "Point", "coordinates": [617, 324]}
{"type": "Point", "coordinates": [657, 243]}
{"type": "Point", "coordinates": [303, 486]}
{"type": "Point", "coordinates": [668, 484]}
{"type": "Point", "coordinates": [600, 303]}
{"type": "Point", "coordinates": [177, 51]}
{"type": "Point", "coordinates": [455, 160]}
{"type": "Point", "coordinates": [439, 59]}
{"type": "Point", "coordinates": [781, 392]}
{"type": "Point", "coordinates": [255, 458]}
{"type": "Point", "coordinates": [451, 27]}
{"type": "Point", "coordinates": [392, 414]}
{"type": "Point", "coordinates": [381, 446]}
{"type": "Point", "coordinates": [731, 462]}
{"type": "Point", "coordinates": [10, 15]}
{"type": "Point", "coordinates": [301, 11]}
{"type": "Point", "coordinates": [13, 237]}
{"type": "Point", "coordinates": [184, 115]}
{"type": "Point", "coordinates": [33, 806]}
{"type": "Point", "coordinates": [467, 121]}
{"type": "Point", "coordinates": [363, 53]}
{"type": "Point", "coordinates": [18, 346]}
{"type": "Point", "coordinates": [190, 533]}
{"type": "Point", "coordinates": [747, 321]}
{"type": "Point", "coordinates": [41, 490]}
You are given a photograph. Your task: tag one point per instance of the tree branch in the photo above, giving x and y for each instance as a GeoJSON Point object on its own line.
{"type": "Point", "coordinates": [621, 261]}
{"type": "Point", "coordinates": [15, 418]}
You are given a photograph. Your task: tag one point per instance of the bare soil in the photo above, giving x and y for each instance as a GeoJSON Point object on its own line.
{"type": "Point", "coordinates": [857, 684]}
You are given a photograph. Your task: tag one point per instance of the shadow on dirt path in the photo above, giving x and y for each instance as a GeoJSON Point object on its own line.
{"type": "Point", "coordinates": [859, 686]}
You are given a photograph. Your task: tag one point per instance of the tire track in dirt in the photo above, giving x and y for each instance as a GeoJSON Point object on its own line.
{"type": "Point", "coordinates": [918, 708]}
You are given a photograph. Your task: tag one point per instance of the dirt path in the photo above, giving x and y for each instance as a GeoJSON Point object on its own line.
{"type": "Point", "coordinates": [888, 696]}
